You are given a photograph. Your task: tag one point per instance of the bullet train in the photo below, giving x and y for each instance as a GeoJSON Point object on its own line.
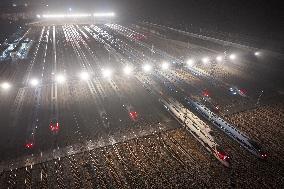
{"type": "Point", "coordinates": [229, 129]}
{"type": "Point", "coordinates": [193, 124]}
{"type": "Point", "coordinates": [197, 128]}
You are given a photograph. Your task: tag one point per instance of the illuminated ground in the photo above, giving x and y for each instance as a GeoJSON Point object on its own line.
{"type": "Point", "coordinates": [152, 151]}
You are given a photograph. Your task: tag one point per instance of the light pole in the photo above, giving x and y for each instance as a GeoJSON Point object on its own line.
{"type": "Point", "coordinates": [258, 99]}
{"type": "Point", "coordinates": [152, 50]}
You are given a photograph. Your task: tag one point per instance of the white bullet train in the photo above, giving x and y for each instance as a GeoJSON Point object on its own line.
{"type": "Point", "coordinates": [196, 127]}
{"type": "Point", "coordinates": [192, 123]}
{"type": "Point", "coordinates": [229, 129]}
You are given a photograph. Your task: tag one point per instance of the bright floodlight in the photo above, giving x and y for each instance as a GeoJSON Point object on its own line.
{"type": "Point", "coordinates": [84, 76]}
{"type": "Point", "coordinates": [60, 78]}
{"type": "Point", "coordinates": [107, 72]}
{"type": "Point", "coordinates": [104, 14]}
{"type": "Point", "coordinates": [127, 70]}
{"type": "Point", "coordinates": [79, 15]}
{"type": "Point", "coordinates": [165, 66]}
{"type": "Point", "coordinates": [205, 60]}
{"type": "Point", "coordinates": [34, 82]}
{"type": "Point", "coordinates": [190, 62]}
{"type": "Point", "coordinates": [232, 56]}
{"type": "Point", "coordinates": [5, 86]}
{"type": "Point", "coordinates": [147, 67]}
{"type": "Point", "coordinates": [38, 16]}
{"type": "Point", "coordinates": [257, 53]}
{"type": "Point", "coordinates": [219, 58]}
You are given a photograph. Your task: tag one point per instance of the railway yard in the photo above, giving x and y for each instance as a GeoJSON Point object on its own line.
{"type": "Point", "coordinates": [118, 106]}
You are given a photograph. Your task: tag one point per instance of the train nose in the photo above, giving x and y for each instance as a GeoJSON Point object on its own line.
{"type": "Point", "coordinates": [263, 155]}
{"type": "Point", "coordinates": [223, 157]}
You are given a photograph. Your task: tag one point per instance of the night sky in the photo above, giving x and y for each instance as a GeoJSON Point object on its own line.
{"type": "Point", "coordinates": [238, 16]}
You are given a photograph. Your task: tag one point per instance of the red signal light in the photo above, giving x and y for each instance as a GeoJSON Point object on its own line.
{"type": "Point", "coordinates": [54, 127]}
{"type": "Point", "coordinates": [133, 115]}
{"type": "Point", "coordinates": [263, 155]}
{"type": "Point", "coordinates": [29, 145]}
{"type": "Point", "coordinates": [205, 93]}
{"type": "Point", "coordinates": [222, 155]}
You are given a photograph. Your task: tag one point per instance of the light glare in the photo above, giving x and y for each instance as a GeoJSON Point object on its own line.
{"type": "Point", "coordinates": [189, 62]}
{"type": "Point", "coordinates": [104, 14]}
{"type": "Point", "coordinates": [34, 82]}
{"type": "Point", "coordinates": [232, 56]}
{"type": "Point", "coordinates": [219, 58]}
{"type": "Point", "coordinates": [127, 70]}
{"type": "Point", "coordinates": [257, 53]}
{"type": "Point", "coordinates": [65, 15]}
{"type": "Point", "coordinates": [84, 76]}
{"type": "Point", "coordinates": [5, 86]}
{"type": "Point", "coordinates": [205, 60]}
{"type": "Point", "coordinates": [78, 15]}
{"type": "Point", "coordinates": [165, 66]}
{"type": "Point", "coordinates": [147, 67]}
{"type": "Point", "coordinates": [106, 73]}
{"type": "Point", "coordinates": [60, 78]}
